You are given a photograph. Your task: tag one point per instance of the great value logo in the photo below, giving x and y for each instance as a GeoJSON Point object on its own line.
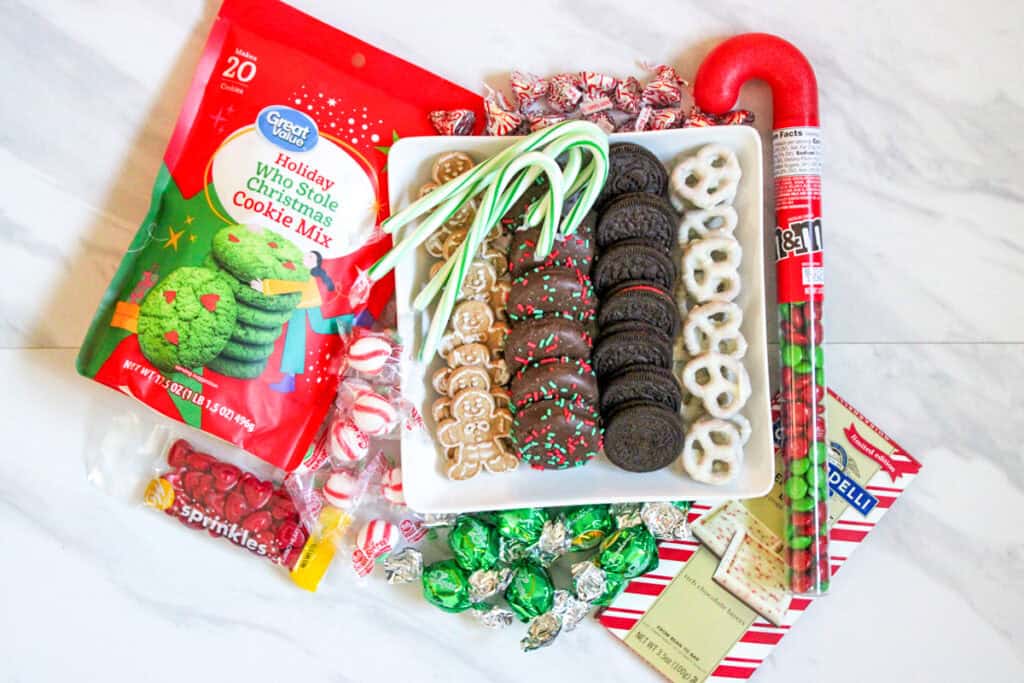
{"type": "Point", "coordinates": [288, 128]}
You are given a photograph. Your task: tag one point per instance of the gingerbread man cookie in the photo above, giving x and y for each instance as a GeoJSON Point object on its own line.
{"type": "Point", "coordinates": [474, 434]}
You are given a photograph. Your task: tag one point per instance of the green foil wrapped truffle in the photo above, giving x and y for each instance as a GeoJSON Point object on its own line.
{"type": "Point", "coordinates": [588, 525]}
{"type": "Point", "coordinates": [445, 585]}
{"type": "Point", "coordinates": [530, 593]}
{"type": "Point", "coordinates": [523, 525]}
{"type": "Point", "coordinates": [474, 544]}
{"type": "Point", "coordinates": [630, 552]}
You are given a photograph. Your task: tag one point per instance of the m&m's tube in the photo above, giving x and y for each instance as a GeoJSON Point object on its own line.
{"type": "Point", "coordinates": [797, 158]}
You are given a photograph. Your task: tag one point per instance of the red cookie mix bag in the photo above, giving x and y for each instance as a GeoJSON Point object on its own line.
{"type": "Point", "coordinates": [226, 311]}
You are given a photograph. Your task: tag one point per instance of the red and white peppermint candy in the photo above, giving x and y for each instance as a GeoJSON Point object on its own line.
{"type": "Point", "coordinates": [527, 87]}
{"type": "Point", "coordinates": [563, 94]}
{"type": "Point", "coordinates": [500, 121]}
{"type": "Point", "coordinates": [348, 443]}
{"type": "Point", "coordinates": [698, 119]}
{"type": "Point", "coordinates": [737, 117]}
{"type": "Point", "coordinates": [545, 120]}
{"type": "Point", "coordinates": [596, 84]}
{"type": "Point", "coordinates": [454, 122]}
{"type": "Point", "coordinates": [369, 354]}
{"type": "Point", "coordinates": [663, 119]}
{"type": "Point", "coordinates": [340, 489]}
{"type": "Point", "coordinates": [627, 95]}
{"type": "Point", "coordinates": [392, 486]}
{"type": "Point", "coordinates": [373, 414]}
{"type": "Point", "coordinates": [377, 537]}
{"type": "Point", "coordinates": [662, 93]}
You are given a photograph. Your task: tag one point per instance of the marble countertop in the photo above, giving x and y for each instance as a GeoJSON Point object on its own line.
{"type": "Point", "coordinates": [922, 108]}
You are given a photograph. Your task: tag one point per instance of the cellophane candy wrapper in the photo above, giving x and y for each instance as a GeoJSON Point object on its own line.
{"type": "Point", "coordinates": [354, 464]}
{"type": "Point", "coordinates": [225, 312]}
{"type": "Point", "coordinates": [663, 101]}
{"type": "Point", "coordinates": [212, 487]}
{"type": "Point", "coordinates": [368, 493]}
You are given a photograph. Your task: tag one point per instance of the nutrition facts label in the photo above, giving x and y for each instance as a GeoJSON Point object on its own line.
{"type": "Point", "coordinates": [797, 152]}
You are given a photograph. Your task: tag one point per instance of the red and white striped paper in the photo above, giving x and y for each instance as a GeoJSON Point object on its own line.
{"type": "Point", "coordinates": [754, 646]}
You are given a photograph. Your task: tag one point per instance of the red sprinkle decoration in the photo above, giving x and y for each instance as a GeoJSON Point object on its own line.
{"type": "Point", "coordinates": [209, 301]}
{"type": "Point", "coordinates": [172, 337]}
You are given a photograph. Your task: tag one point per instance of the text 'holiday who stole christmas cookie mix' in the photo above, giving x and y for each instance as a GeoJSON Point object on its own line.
{"type": "Point", "coordinates": [225, 313]}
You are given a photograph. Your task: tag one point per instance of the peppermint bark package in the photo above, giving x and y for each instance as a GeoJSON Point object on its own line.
{"type": "Point", "coordinates": [719, 603]}
{"type": "Point", "coordinates": [225, 312]}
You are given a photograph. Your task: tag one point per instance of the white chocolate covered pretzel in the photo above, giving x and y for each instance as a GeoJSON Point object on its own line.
{"type": "Point", "coordinates": [720, 381]}
{"type": "Point", "coordinates": [711, 269]}
{"type": "Point", "coordinates": [698, 223]}
{"type": "Point", "coordinates": [715, 326]}
{"type": "Point", "coordinates": [708, 178]}
{"type": "Point", "coordinates": [712, 451]}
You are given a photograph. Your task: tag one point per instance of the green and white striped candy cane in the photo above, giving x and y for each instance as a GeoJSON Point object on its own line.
{"type": "Point", "coordinates": [481, 226]}
{"type": "Point", "coordinates": [591, 189]}
{"type": "Point", "coordinates": [459, 190]}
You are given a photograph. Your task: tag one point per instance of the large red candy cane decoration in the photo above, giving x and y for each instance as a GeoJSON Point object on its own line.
{"type": "Point", "coordinates": [796, 155]}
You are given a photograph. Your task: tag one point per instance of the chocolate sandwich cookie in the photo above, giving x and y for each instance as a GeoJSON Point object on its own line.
{"type": "Point", "coordinates": [632, 168]}
{"type": "Point", "coordinates": [569, 378]}
{"type": "Point", "coordinates": [642, 302]}
{"type": "Point", "coordinates": [633, 260]}
{"type": "Point", "coordinates": [534, 340]}
{"type": "Point", "coordinates": [648, 383]}
{"type": "Point", "coordinates": [572, 251]}
{"type": "Point", "coordinates": [638, 216]}
{"type": "Point", "coordinates": [619, 349]}
{"type": "Point", "coordinates": [551, 291]}
{"type": "Point", "coordinates": [556, 434]}
{"type": "Point", "coordinates": [643, 437]}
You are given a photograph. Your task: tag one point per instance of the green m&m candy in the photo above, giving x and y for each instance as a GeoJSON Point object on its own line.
{"type": "Point", "coordinates": [446, 586]}
{"type": "Point", "coordinates": [797, 541]}
{"type": "Point", "coordinates": [588, 525]}
{"type": "Point", "coordinates": [819, 357]}
{"type": "Point", "coordinates": [804, 504]}
{"type": "Point", "coordinates": [792, 355]}
{"type": "Point", "coordinates": [630, 552]}
{"type": "Point", "coordinates": [530, 593]}
{"type": "Point", "coordinates": [800, 466]}
{"type": "Point", "coordinates": [784, 311]}
{"type": "Point", "coordinates": [819, 376]}
{"type": "Point", "coordinates": [525, 524]}
{"type": "Point", "coordinates": [803, 367]}
{"type": "Point", "coordinates": [474, 544]}
{"type": "Point", "coordinates": [818, 453]}
{"type": "Point", "coordinates": [817, 477]}
{"type": "Point", "coordinates": [796, 488]}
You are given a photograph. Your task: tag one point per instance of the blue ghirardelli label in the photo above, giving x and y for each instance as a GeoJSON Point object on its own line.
{"type": "Point", "coordinates": [845, 487]}
{"type": "Point", "coordinates": [288, 128]}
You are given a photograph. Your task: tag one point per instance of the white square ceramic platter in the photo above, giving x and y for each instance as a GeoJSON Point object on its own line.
{"type": "Point", "coordinates": [428, 489]}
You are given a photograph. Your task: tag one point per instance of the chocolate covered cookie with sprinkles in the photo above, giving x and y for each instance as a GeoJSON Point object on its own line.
{"type": "Point", "coordinates": [572, 251]}
{"type": "Point", "coordinates": [531, 341]}
{"type": "Point", "coordinates": [556, 434]}
{"type": "Point", "coordinates": [551, 291]}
